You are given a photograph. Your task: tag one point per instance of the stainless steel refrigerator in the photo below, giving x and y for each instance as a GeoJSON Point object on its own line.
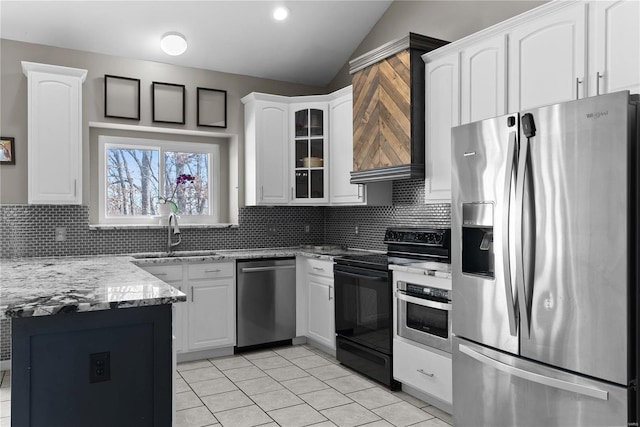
{"type": "Point", "coordinates": [544, 261]}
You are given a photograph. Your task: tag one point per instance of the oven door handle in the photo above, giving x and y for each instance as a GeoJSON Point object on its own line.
{"type": "Point", "coordinates": [361, 276]}
{"type": "Point", "coordinates": [423, 302]}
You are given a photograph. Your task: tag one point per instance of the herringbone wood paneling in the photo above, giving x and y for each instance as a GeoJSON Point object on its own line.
{"type": "Point", "coordinates": [381, 114]}
{"type": "Point", "coordinates": [365, 118]}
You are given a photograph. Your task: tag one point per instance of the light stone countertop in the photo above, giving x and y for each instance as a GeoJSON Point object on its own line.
{"type": "Point", "coordinates": [47, 286]}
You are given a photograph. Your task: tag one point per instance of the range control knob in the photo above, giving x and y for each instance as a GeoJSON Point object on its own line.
{"type": "Point", "coordinates": [431, 238]}
{"type": "Point", "coordinates": [438, 238]}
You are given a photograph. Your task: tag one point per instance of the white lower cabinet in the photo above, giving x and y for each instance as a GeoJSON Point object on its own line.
{"type": "Point", "coordinates": [207, 319]}
{"type": "Point", "coordinates": [211, 314]}
{"type": "Point", "coordinates": [315, 304]}
{"type": "Point", "coordinates": [321, 311]}
{"type": "Point", "coordinates": [424, 370]}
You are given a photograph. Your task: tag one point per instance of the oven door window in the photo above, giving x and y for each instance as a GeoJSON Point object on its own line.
{"type": "Point", "coordinates": [429, 320]}
{"type": "Point", "coordinates": [363, 309]}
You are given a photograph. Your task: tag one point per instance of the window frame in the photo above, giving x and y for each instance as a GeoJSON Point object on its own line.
{"type": "Point", "coordinates": [212, 150]}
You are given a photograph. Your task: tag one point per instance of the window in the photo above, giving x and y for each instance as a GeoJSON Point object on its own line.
{"type": "Point", "coordinates": [135, 174]}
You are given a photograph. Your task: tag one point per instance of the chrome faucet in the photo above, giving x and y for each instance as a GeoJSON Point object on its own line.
{"type": "Point", "coordinates": [176, 230]}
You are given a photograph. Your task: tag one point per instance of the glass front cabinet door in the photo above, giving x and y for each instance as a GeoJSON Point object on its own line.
{"type": "Point", "coordinates": [310, 176]}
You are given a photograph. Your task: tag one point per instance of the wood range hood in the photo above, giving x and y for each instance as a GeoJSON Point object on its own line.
{"type": "Point", "coordinates": [388, 110]}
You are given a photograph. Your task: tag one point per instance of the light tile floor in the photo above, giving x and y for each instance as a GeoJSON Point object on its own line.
{"type": "Point", "coordinates": [290, 386]}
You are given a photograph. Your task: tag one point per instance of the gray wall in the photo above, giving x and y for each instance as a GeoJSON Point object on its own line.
{"type": "Point", "coordinates": [13, 106]}
{"type": "Point", "coordinates": [446, 20]}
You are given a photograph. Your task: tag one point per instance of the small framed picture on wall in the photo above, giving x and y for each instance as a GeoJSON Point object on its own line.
{"type": "Point", "coordinates": [7, 151]}
{"type": "Point", "coordinates": [167, 103]}
{"type": "Point", "coordinates": [121, 97]}
{"type": "Point", "coordinates": [212, 107]}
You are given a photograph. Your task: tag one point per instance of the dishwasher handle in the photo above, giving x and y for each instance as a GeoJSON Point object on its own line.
{"type": "Point", "coordinates": [268, 268]}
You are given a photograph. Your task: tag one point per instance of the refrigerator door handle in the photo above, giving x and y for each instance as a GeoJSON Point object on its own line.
{"type": "Point", "coordinates": [520, 285]}
{"type": "Point", "coordinates": [534, 377]}
{"type": "Point", "coordinates": [506, 259]}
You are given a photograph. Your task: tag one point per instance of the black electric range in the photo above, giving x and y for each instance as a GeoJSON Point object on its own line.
{"type": "Point", "coordinates": [364, 300]}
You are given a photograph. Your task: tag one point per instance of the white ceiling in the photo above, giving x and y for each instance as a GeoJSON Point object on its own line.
{"type": "Point", "coordinates": [237, 37]}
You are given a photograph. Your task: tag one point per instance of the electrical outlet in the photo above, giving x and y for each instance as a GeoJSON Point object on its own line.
{"type": "Point", "coordinates": [356, 230]}
{"type": "Point", "coordinates": [307, 228]}
{"type": "Point", "coordinates": [61, 234]}
{"type": "Point", "coordinates": [99, 367]}
{"type": "Point", "coordinates": [271, 230]}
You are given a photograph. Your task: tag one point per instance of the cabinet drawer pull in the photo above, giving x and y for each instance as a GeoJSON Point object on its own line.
{"type": "Point", "coordinates": [598, 77]}
{"type": "Point", "coordinates": [578, 83]}
{"type": "Point", "coordinates": [160, 274]}
{"type": "Point", "coordinates": [217, 270]}
{"type": "Point", "coordinates": [425, 373]}
{"type": "Point", "coordinates": [318, 268]}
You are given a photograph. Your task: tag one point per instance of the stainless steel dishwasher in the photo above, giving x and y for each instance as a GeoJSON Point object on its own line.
{"type": "Point", "coordinates": [266, 301]}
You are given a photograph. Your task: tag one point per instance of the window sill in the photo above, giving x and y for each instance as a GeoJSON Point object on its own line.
{"type": "Point", "coordinates": [155, 226]}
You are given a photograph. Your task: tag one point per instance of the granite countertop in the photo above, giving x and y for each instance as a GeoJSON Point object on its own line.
{"type": "Point", "coordinates": [47, 286]}
{"type": "Point", "coordinates": [319, 252]}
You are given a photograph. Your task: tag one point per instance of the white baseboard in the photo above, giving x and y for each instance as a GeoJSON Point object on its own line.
{"type": "Point", "coordinates": [425, 397]}
{"type": "Point", "coordinates": [204, 354]}
{"type": "Point", "coordinates": [322, 347]}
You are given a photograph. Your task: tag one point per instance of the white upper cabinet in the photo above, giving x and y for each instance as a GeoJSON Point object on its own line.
{"type": "Point", "coordinates": [547, 59]}
{"type": "Point", "coordinates": [341, 191]}
{"type": "Point", "coordinates": [299, 151]}
{"type": "Point", "coordinates": [341, 152]}
{"type": "Point", "coordinates": [615, 46]}
{"type": "Point", "coordinates": [266, 150]}
{"type": "Point", "coordinates": [483, 80]}
{"type": "Point", "coordinates": [442, 113]}
{"type": "Point", "coordinates": [309, 151]}
{"type": "Point", "coordinates": [55, 133]}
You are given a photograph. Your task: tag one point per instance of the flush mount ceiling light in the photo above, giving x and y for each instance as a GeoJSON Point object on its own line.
{"type": "Point", "coordinates": [173, 44]}
{"type": "Point", "coordinates": [280, 13]}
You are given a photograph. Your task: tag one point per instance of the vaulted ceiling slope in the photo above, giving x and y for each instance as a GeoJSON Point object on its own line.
{"type": "Point", "coordinates": [239, 37]}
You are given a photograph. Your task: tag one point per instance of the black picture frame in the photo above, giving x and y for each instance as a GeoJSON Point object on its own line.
{"type": "Point", "coordinates": [7, 150]}
{"type": "Point", "coordinates": [212, 107]}
{"type": "Point", "coordinates": [168, 103]}
{"type": "Point", "coordinates": [121, 97]}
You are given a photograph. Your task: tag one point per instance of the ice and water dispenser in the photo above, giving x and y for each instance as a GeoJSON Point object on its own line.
{"type": "Point", "coordinates": [477, 239]}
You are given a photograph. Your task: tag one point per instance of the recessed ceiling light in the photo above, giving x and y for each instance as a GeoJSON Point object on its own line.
{"type": "Point", "coordinates": [280, 13]}
{"type": "Point", "coordinates": [173, 44]}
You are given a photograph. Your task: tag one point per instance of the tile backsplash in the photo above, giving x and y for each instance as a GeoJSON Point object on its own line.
{"type": "Point", "coordinates": [29, 230]}
{"type": "Point", "coordinates": [408, 209]}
